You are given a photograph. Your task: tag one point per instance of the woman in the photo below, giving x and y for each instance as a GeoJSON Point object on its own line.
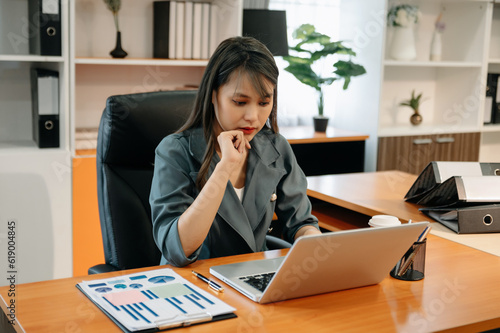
{"type": "Point", "coordinates": [218, 181]}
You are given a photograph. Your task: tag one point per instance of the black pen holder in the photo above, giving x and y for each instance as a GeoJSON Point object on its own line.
{"type": "Point", "coordinates": [411, 267]}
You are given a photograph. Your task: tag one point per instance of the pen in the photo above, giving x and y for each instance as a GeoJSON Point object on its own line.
{"type": "Point", "coordinates": [424, 233]}
{"type": "Point", "coordinates": [211, 283]}
{"type": "Point", "coordinates": [409, 261]}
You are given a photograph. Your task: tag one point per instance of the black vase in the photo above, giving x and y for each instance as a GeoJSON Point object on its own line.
{"type": "Point", "coordinates": [118, 52]}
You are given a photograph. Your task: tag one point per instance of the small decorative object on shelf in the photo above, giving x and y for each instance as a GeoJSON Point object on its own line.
{"type": "Point", "coordinates": [312, 47]}
{"type": "Point", "coordinates": [114, 7]}
{"type": "Point", "coordinates": [403, 18]}
{"type": "Point", "coordinates": [414, 103]}
{"type": "Point", "coordinates": [436, 39]}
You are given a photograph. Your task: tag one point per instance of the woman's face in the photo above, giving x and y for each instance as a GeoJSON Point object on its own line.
{"type": "Point", "coordinates": [238, 106]}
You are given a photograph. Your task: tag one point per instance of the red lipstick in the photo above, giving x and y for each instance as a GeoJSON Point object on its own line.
{"type": "Point", "coordinates": [247, 130]}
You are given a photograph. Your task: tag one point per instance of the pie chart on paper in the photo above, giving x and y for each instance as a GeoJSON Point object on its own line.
{"type": "Point", "coordinates": [161, 279]}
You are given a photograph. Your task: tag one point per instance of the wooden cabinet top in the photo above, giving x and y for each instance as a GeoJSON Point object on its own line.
{"type": "Point", "coordinates": [306, 134]}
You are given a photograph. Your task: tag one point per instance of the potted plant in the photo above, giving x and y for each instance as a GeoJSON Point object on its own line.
{"type": "Point", "coordinates": [315, 47]}
{"type": "Point", "coordinates": [414, 104]}
{"type": "Point", "coordinates": [402, 18]}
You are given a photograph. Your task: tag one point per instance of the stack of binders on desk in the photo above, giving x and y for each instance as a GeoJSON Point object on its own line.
{"type": "Point", "coordinates": [463, 196]}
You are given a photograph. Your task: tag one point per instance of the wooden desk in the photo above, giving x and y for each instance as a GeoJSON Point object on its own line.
{"type": "Point", "coordinates": [310, 147]}
{"type": "Point", "coordinates": [368, 193]}
{"type": "Point", "coordinates": [459, 293]}
{"type": "Point", "coordinates": [356, 197]}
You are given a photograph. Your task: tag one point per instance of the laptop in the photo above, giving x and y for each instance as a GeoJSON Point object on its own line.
{"type": "Point", "coordinates": [318, 264]}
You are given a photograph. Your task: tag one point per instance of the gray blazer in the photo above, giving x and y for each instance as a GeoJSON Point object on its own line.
{"type": "Point", "coordinates": [274, 183]}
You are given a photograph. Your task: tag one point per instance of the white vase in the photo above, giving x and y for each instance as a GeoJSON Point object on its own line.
{"type": "Point", "coordinates": [436, 46]}
{"type": "Point", "coordinates": [403, 44]}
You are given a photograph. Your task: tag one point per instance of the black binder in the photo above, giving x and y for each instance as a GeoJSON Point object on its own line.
{"type": "Point", "coordinates": [44, 18]}
{"type": "Point", "coordinates": [467, 220]}
{"type": "Point", "coordinates": [436, 172]}
{"type": "Point", "coordinates": [495, 112]}
{"type": "Point", "coordinates": [464, 190]}
{"type": "Point", "coordinates": [161, 29]}
{"type": "Point", "coordinates": [45, 107]}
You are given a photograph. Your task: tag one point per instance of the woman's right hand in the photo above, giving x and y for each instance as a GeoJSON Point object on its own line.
{"type": "Point", "coordinates": [233, 147]}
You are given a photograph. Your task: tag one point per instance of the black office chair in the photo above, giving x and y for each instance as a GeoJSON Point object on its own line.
{"type": "Point", "coordinates": [130, 129]}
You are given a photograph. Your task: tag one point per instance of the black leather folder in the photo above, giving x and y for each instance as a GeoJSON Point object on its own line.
{"type": "Point", "coordinates": [465, 190]}
{"type": "Point", "coordinates": [436, 172]}
{"type": "Point", "coordinates": [44, 19]}
{"type": "Point", "coordinates": [467, 220]}
{"type": "Point", "coordinates": [45, 107]}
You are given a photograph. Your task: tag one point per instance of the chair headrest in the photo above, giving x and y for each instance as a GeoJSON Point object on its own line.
{"type": "Point", "coordinates": [133, 125]}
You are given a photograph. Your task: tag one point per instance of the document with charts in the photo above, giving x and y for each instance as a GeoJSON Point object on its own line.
{"type": "Point", "coordinates": [154, 300]}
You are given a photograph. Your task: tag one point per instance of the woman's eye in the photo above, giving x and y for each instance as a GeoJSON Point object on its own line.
{"type": "Point", "coordinates": [239, 102]}
{"type": "Point", "coordinates": [264, 103]}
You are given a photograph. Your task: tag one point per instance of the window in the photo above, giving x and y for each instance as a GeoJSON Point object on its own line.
{"type": "Point", "coordinates": [297, 103]}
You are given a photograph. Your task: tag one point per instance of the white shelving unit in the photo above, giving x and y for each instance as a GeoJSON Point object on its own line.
{"type": "Point", "coordinates": [453, 88]}
{"type": "Point", "coordinates": [35, 184]}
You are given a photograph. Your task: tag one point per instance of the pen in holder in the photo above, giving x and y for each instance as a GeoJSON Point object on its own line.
{"type": "Point", "coordinates": [411, 266]}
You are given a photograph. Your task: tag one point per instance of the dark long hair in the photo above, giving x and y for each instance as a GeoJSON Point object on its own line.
{"type": "Point", "coordinates": [237, 53]}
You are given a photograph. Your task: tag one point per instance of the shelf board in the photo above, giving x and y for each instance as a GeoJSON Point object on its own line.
{"type": "Point", "coordinates": [397, 63]}
{"type": "Point", "coordinates": [30, 58]}
{"type": "Point", "coordinates": [494, 61]}
{"type": "Point", "coordinates": [491, 128]}
{"type": "Point", "coordinates": [141, 62]}
{"type": "Point", "coordinates": [406, 130]}
{"type": "Point", "coordinates": [25, 147]}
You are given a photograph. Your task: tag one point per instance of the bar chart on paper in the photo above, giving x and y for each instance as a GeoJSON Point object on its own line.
{"type": "Point", "coordinates": [154, 300]}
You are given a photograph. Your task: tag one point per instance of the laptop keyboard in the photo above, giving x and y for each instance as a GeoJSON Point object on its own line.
{"type": "Point", "coordinates": [258, 281]}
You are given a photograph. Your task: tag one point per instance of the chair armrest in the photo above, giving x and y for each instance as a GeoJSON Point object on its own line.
{"type": "Point", "coordinates": [275, 243]}
{"type": "Point", "coordinates": [102, 268]}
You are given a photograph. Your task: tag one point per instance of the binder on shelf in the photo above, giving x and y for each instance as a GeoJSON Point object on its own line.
{"type": "Point", "coordinates": [179, 29]}
{"type": "Point", "coordinates": [172, 31]}
{"type": "Point", "coordinates": [205, 30]}
{"type": "Point", "coordinates": [436, 172]}
{"type": "Point", "coordinates": [213, 41]}
{"type": "Point", "coordinates": [161, 28]}
{"type": "Point", "coordinates": [489, 101]}
{"type": "Point", "coordinates": [44, 18]}
{"type": "Point", "coordinates": [197, 29]}
{"type": "Point", "coordinates": [467, 220]}
{"type": "Point", "coordinates": [495, 113]}
{"type": "Point", "coordinates": [45, 107]}
{"type": "Point", "coordinates": [188, 30]}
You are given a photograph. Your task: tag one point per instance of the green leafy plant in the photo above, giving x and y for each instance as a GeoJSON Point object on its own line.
{"type": "Point", "coordinates": [312, 47]}
{"type": "Point", "coordinates": [403, 15]}
{"type": "Point", "coordinates": [114, 7]}
{"type": "Point", "coordinates": [413, 102]}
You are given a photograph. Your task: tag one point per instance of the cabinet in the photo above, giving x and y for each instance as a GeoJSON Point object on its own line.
{"type": "Point", "coordinates": [35, 184]}
{"type": "Point", "coordinates": [413, 153]}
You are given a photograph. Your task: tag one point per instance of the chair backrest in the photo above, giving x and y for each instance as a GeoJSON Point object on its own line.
{"type": "Point", "coordinates": [130, 129]}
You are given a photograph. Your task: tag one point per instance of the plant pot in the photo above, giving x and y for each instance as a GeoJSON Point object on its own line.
{"type": "Point", "coordinates": [320, 123]}
{"type": "Point", "coordinates": [416, 119]}
{"type": "Point", "coordinates": [118, 52]}
{"type": "Point", "coordinates": [403, 44]}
